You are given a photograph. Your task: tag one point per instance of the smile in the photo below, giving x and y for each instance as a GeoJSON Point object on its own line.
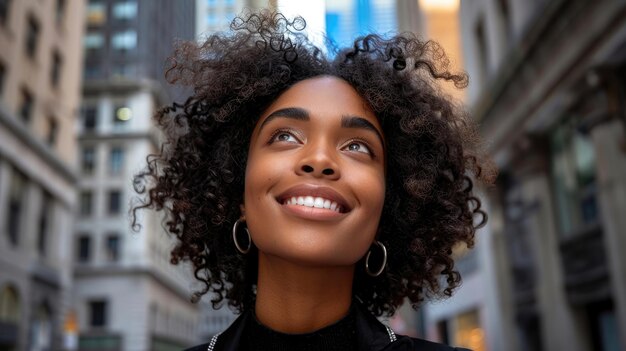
{"type": "Point", "coordinates": [316, 202]}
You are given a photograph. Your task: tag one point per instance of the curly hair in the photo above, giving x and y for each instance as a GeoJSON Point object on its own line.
{"type": "Point", "coordinates": [432, 148]}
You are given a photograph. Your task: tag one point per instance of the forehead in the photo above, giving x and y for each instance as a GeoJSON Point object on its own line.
{"type": "Point", "coordinates": [325, 97]}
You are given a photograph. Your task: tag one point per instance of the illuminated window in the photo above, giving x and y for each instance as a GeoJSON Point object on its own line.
{"type": "Point", "coordinates": [93, 41]}
{"type": "Point", "coordinates": [122, 115]}
{"type": "Point", "coordinates": [9, 305]}
{"type": "Point", "coordinates": [574, 178]}
{"type": "Point", "coordinates": [96, 13]}
{"type": "Point", "coordinates": [125, 10]}
{"type": "Point", "coordinates": [468, 332]}
{"type": "Point", "coordinates": [126, 40]}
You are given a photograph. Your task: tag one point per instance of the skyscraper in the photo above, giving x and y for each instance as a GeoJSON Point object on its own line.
{"type": "Point", "coordinates": [39, 100]}
{"type": "Point", "coordinates": [347, 19]}
{"type": "Point", "coordinates": [127, 294]}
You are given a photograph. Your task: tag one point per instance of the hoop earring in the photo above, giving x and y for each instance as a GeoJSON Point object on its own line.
{"type": "Point", "coordinates": [367, 260]}
{"type": "Point", "coordinates": [239, 247]}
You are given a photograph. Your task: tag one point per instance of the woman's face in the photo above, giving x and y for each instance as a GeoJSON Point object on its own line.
{"type": "Point", "coordinates": [315, 181]}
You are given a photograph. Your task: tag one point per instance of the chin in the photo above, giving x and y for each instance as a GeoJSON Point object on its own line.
{"type": "Point", "coordinates": [314, 255]}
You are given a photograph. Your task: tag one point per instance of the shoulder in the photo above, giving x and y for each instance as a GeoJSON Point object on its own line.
{"type": "Point", "coordinates": [424, 345]}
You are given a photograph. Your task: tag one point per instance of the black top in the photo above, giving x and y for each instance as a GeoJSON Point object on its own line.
{"type": "Point", "coordinates": [340, 336]}
{"type": "Point", "coordinates": [360, 330]}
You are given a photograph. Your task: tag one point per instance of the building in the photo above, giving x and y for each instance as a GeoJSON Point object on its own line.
{"type": "Point", "coordinates": [460, 320]}
{"type": "Point", "coordinates": [547, 89]}
{"type": "Point", "coordinates": [39, 100]}
{"type": "Point", "coordinates": [127, 294]}
{"type": "Point", "coordinates": [216, 15]}
{"type": "Point", "coordinates": [348, 19]}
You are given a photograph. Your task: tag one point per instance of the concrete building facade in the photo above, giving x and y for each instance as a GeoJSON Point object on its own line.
{"type": "Point", "coordinates": [39, 100]}
{"type": "Point", "coordinates": [127, 294]}
{"type": "Point", "coordinates": [547, 88]}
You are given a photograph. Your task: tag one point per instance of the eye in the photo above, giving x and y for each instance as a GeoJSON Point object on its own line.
{"type": "Point", "coordinates": [358, 146]}
{"type": "Point", "coordinates": [283, 136]}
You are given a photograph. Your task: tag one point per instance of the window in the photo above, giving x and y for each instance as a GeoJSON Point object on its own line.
{"type": "Point", "coordinates": [84, 248]}
{"type": "Point", "coordinates": [122, 115]}
{"type": "Point", "coordinates": [53, 130]}
{"type": "Point", "coordinates": [60, 10]}
{"type": "Point", "coordinates": [10, 305]}
{"type": "Point", "coordinates": [92, 71]}
{"type": "Point", "coordinates": [481, 46]}
{"type": "Point", "coordinates": [97, 313]}
{"type": "Point", "coordinates": [44, 222]}
{"type": "Point", "coordinates": [16, 206]}
{"type": "Point", "coordinates": [88, 160]}
{"type": "Point", "coordinates": [505, 17]}
{"type": "Point", "coordinates": [5, 6]}
{"type": "Point", "coordinates": [26, 106]}
{"type": "Point", "coordinates": [116, 160]}
{"type": "Point", "coordinates": [96, 13]}
{"type": "Point", "coordinates": [93, 41]}
{"type": "Point", "coordinates": [468, 331]}
{"type": "Point", "coordinates": [115, 202]}
{"type": "Point", "coordinates": [3, 72]}
{"type": "Point", "coordinates": [86, 203]}
{"type": "Point", "coordinates": [90, 118]}
{"type": "Point", "coordinates": [126, 40]}
{"type": "Point", "coordinates": [113, 247]}
{"type": "Point", "coordinates": [124, 70]}
{"type": "Point", "coordinates": [32, 37]}
{"type": "Point", "coordinates": [125, 10]}
{"type": "Point", "coordinates": [55, 71]}
{"type": "Point", "coordinates": [574, 178]}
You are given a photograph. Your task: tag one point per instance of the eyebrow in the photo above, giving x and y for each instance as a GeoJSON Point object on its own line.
{"type": "Point", "coordinates": [296, 113]}
{"type": "Point", "coordinates": [361, 123]}
{"type": "Point", "coordinates": [301, 114]}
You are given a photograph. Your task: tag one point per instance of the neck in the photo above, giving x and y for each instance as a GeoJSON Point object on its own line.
{"type": "Point", "coordinates": [296, 299]}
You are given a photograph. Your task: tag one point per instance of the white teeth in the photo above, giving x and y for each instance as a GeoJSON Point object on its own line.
{"type": "Point", "coordinates": [319, 202]}
{"type": "Point", "coordinates": [310, 201]}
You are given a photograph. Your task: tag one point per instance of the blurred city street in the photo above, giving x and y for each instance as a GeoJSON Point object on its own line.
{"type": "Point", "coordinates": [81, 79]}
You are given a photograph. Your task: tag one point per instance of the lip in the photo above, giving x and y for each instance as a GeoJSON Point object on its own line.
{"type": "Point", "coordinates": [314, 191]}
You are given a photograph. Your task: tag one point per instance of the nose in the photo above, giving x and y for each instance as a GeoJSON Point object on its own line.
{"type": "Point", "coordinates": [319, 163]}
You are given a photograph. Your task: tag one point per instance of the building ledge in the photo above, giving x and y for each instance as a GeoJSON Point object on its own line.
{"type": "Point", "coordinates": [42, 150]}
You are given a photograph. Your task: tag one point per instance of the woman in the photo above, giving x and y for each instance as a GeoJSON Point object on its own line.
{"type": "Point", "coordinates": [313, 194]}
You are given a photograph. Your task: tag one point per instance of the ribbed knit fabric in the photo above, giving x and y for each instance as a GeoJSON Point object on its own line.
{"type": "Point", "coordinates": [338, 336]}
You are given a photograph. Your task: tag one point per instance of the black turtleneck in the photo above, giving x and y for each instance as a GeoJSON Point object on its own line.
{"type": "Point", "coordinates": [338, 336]}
